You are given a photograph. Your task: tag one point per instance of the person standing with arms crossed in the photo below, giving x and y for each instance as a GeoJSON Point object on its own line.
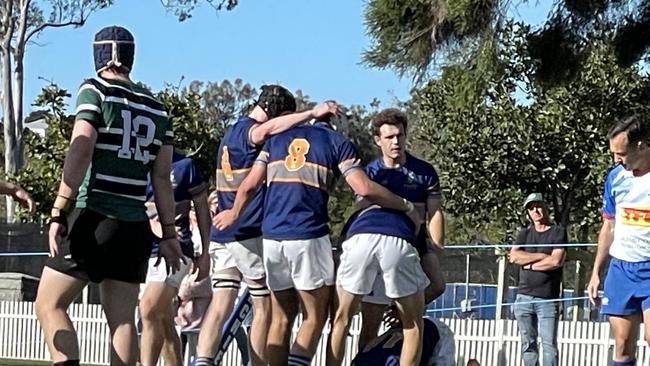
{"type": "Point", "coordinates": [540, 277]}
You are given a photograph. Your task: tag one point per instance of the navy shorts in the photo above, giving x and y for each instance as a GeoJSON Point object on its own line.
{"type": "Point", "coordinates": [98, 247]}
{"type": "Point", "coordinates": [627, 288]}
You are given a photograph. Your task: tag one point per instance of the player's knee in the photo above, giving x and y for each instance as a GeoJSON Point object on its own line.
{"type": "Point", "coordinates": [44, 307]}
{"type": "Point", "coordinates": [226, 282]}
{"type": "Point", "coordinates": [259, 291]}
{"type": "Point", "coordinates": [433, 291]}
{"type": "Point", "coordinates": [150, 310]}
{"type": "Point", "coordinates": [343, 317]}
{"type": "Point", "coordinates": [280, 322]}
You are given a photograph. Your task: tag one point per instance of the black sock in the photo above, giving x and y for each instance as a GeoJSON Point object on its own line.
{"type": "Point", "coordinates": [203, 361]}
{"type": "Point", "coordinates": [67, 363]}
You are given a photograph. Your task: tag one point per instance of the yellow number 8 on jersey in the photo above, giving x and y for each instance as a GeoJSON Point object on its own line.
{"type": "Point", "coordinates": [297, 151]}
{"type": "Point", "coordinates": [225, 165]}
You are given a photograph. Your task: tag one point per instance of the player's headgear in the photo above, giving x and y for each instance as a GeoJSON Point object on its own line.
{"type": "Point", "coordinates": [276, 100]}
{"type": "Point", "coordinates": [113, 46]}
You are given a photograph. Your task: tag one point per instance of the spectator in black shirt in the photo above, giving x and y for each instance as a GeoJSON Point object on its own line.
{"type": "Point", "coordinates": [540, 275]}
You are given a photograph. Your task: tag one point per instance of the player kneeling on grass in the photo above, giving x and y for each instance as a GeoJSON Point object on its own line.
{"type": "Point", "coordinates": [438, 347]}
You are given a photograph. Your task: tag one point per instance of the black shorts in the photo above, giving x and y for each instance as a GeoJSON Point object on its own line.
{"type": "Point", "coordinates": [423, 244]}
{"type": "Point", "coordinates": [98, 248]}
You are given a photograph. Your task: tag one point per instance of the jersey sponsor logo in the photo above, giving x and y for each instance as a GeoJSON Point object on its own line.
{"type": "Point", "coordinates": [635, 216]}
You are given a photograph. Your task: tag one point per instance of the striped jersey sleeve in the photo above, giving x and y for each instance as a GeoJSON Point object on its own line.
{"type": "Point", "coordinates": [433, 184]}
{"type": "Point", "coordinates": [168, 138]}
{"type": "Point", "coordinates": [89, 101]}
{"type": "Point", "coordinates": [348, 158]}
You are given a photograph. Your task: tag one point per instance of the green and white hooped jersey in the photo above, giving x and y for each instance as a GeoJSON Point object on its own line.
{"type": "Point", "coordinates": [131, 127]}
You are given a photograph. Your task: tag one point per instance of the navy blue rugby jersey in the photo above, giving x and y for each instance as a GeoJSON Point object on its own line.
{"type": "Point", "coordinates": [302, 166]}
{"type": "Point", "coordinates": [416, 181]}
{"type": "Point", "coordinates": [386, 349]}
{"type": "Point", "coordinates": [235, 158]}
{"type": "Point", "coordinates": [187, 181]}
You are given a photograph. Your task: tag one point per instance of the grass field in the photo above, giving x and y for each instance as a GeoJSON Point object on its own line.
{"type": "Point", "coordinates": [6, 362]}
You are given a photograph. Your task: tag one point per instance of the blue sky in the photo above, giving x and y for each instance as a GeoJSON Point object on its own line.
{"type": "Point", "coordinates": [312, 45]}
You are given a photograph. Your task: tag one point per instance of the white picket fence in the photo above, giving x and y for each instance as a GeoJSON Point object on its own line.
{"type": "Point", "coordinates": [491, 342]}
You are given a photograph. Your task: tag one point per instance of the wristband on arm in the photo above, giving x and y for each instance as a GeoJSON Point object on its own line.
{"type": "Point", "coordinates": [60, 209]}
{"type": "Point", "coordinates": [168, 231]}
{"type": "Point", "coordinates": [409, 206]}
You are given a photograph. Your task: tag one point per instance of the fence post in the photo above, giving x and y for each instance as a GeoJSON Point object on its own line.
{"type": "Point", "coordinates": [501, 283]}
{"type": "Point", "coordinates": [579, 290]}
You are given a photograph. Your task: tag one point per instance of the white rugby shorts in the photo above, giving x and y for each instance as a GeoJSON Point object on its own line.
{"type": "Point", "coordinates": [301, 264]}
{"type": "Point", "coordinates": [247, 255]}
{"type": "Point", "coordinates": [159, 273]}
{"type": "Point", "coordinates": [390, 261]}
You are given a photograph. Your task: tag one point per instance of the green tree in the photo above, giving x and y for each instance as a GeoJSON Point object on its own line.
{"type": "Point", "coordinates": [491, 150]}
{"type": "Point", "coordinates": [201, 113]}
{"type": "Point", "coordinates": [44, 164]}
{"type": "Point", "coordinates": [409, 36]}
{"type": "Point", "coordinates": [183, 9]}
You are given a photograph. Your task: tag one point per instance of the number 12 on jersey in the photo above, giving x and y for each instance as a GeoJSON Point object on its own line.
{"type": "Point", "coordinates": [131, 127]}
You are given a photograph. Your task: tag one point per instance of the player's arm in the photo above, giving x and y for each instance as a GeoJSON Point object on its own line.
{"type": "Point", "coordinates": [162, 188]}
{"type": "Point", "coordinates": [436, 224]}
{"type": "Point", "coordinates": [375, 193]}
{"type": "Point", "coordinates": [203, 220]}
{"type": "Point", "coordinates": [245, 193]}
{"type": "Point", "coordinates": [18, 194]}
{"type": "Point", "coordinates": [202, 209]}
{"type": "Point", "coordinates": [78, 158]}
{"type": "Point", "coordinates": [605, 239]}
{"type": "Point", "coordinates": [260, 132]}
{"type": "Point", "coordinates": [76, 164]}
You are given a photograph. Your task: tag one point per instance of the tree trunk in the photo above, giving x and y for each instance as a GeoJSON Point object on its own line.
{"type": "Point", "coordinates": [19, 57]}
{"type": "Point", "coordinates": [9, 124]}
{"type": "Point", "coordinates": [9, 119]}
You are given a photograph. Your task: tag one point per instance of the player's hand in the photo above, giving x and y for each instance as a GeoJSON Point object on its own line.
{"type": "Point", "coordinates": [202, 266]}
{"type": "Point", "coordinates": [55, 234]}
{"type": "Point", "coordinates": [24, 198]}
{"type": "Point", "coordinates": [323, 109]}
{"type": "Point", "coordinates": [416, 217]}
{"type": "Point", "coordinates": [512, 256]}
{"type": "Point", "coordinates": [170, 250]}
{"type": "Point", "coordinates": [224, 219]}
{"type": "Point", "coordinates": [592, 289]}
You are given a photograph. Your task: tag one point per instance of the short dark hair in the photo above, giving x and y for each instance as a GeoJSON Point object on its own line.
{"type": "Point", "coordinates": [389, 116]}
{"type": "Point", "coordinates": [636, 128]}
